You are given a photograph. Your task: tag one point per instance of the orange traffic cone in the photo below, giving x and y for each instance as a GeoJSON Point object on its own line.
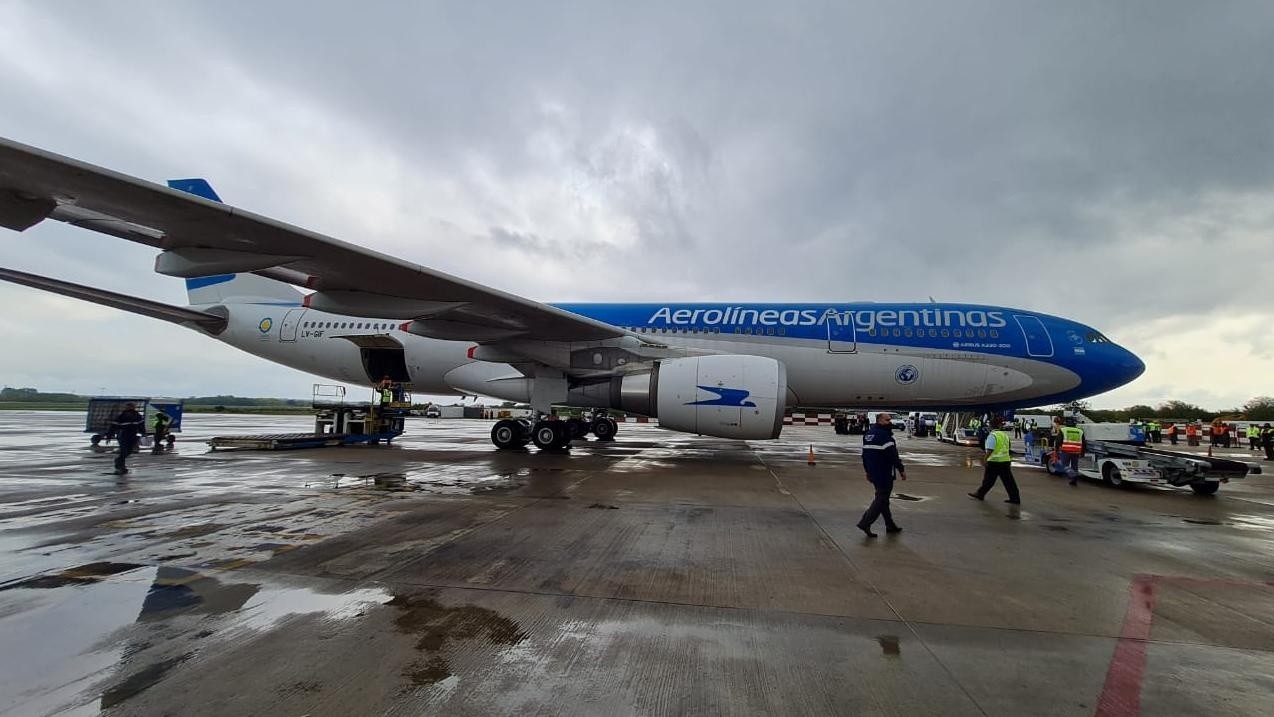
{"type": "Point", "coordinates": [810, 459]}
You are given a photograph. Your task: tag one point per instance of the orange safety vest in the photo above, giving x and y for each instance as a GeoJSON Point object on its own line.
{"type": "Point", "coordinates": [1072, 440]}
{"type": "Point", "coordinates": [1192, 430]}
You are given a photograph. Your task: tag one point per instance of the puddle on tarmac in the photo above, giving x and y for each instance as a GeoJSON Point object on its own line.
{"type": "Point", "coordinates": [435, 626]}
{"type": "Point", "coordinates": [904, 496]}
{"type": "Point", "coordinates": [1201, 521]}
{"type": "Point", "coordinates": [139, 681]}
{"type": "Point", "coordinates": [889, 645]}
{"type": "Point", "coordinates": [82, 575]}
{"type": "Point", "coordinates": [603, 506]}
{"type": "Point", "coordinates": [71, 638]}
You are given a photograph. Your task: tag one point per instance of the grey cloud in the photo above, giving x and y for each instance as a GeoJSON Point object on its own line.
{"type": "Point", "coordinates": [1080, 158]}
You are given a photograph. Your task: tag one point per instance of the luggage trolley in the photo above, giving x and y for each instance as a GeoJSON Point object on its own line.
{"type": "Point", "coordinates": [102, 410]}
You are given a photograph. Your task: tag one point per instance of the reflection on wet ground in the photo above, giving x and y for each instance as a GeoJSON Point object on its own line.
{"type": "Point", "coordinates": [121, 628]}
{"type": "Point", "coordinates": [659, 573]}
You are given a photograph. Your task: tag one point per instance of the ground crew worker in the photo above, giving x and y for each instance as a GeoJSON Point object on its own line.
{"type": "Point", "coordinates": [1253, 436]}
{"type": "Point", "coordinates": [386, 391]}
{"type": "Point", "coordinates": [128, 427]}
{"type": "Point", "coordinates": [1267, 440]}
{"type": "Point", "coordinates": [1055, 439]}
{"type": "Point", "coordinates": [162, 424]}
{"type": "Point", "coordinates": [1172, 433]}
{"type": "Point", "coordinates": [881, 460]}
{"type": "Point", "coordinates": [1192, 434]}
{"type": "Point", "coordinates": [1156, 432]}
{"type": "Point", "coordinates": [998, 465]}
{"type": "Point", "coordinates": [1072, 447]}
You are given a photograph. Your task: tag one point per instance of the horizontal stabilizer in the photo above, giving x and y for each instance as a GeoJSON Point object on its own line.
{"type": "Point", "coordinates": [210, 322]}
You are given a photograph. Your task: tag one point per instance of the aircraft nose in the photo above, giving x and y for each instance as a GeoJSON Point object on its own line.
{"type": "Point", "coordinates": [1130, 367]}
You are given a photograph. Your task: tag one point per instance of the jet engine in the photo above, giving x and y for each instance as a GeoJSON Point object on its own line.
{"type": "Point", "coordinates": [726, 396]}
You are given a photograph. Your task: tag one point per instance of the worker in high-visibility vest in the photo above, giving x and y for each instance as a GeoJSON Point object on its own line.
{"type": "Point", "coordinates": [1253, 436]}
{"type": "Point", "coordinates": [1172, 433]}
{"type": "Point", "coordinates": [998, 464]}
{"type": "Point", "coordinates": [1072, 448]}
{"type": "Point", "coordinates": [1192, 434]}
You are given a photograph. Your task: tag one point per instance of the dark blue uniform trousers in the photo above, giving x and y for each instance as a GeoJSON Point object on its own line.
{"type": "Point", "coordinates": [879, 505]}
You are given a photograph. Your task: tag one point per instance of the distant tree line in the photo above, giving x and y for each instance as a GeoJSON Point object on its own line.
{"type": "Point", "coordinates": [1260, 408]}
{"type": "Point", "coordinates": [31, 395]}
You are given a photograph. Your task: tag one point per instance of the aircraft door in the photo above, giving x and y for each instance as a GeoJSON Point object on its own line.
{"type": "Point", "coordinates": [841, 337]}
{"type": "Point", "coordinates": [287, 332]}
{"type": "Point", "coordinates": [1038, 342]}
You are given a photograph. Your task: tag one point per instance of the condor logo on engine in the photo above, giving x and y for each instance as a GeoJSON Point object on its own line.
{"type": "Point", "coordinates": [725, 397]}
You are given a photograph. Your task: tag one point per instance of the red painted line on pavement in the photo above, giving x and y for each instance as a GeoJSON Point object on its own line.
{"type": "Point", "coordinates": [1121, 695]}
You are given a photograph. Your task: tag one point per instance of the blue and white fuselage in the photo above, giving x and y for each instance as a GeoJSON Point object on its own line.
{"type": "Point", "coordinates": [919, 356]}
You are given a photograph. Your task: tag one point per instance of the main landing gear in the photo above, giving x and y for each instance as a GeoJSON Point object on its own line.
{"type": "Point", "coordinates": [549, 433]}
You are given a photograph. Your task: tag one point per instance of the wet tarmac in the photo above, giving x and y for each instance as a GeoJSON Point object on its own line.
{"type": "Point", "coordinates": [659, 574]}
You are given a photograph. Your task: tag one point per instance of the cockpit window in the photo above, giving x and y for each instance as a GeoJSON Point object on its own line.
{"type": "Point", "coordinates": [1095, 337]}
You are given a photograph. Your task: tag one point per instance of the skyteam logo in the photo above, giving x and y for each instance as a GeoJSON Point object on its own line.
{"type": "Point", "coordinates": [906, 374]}
{"type": "Point", "coordinates": [265, 325]}
{"type": "Point", "coordinates": [736, 397]}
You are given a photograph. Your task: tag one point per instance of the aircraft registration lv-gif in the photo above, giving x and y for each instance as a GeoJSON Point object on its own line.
{"type": "Point", "coordinates": [348, 313]}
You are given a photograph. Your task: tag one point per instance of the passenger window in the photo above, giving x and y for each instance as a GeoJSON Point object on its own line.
{"type": "Point", "coordinates": [982, 333]}
{"type": "Point", "coordinates": [769, 331]}
{"type": "Point", "coordinates": [907, 333]}
{"type": "Point", "coordinates": [958, 333]}
{"type": "Point", "coordinates": [933, 333]}
{"type": "Point", "coordinates": [995, 334]}
{"type": "Point", "coordinates": [946, 333]}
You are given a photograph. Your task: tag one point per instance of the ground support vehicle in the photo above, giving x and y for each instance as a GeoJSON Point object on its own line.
{"type": "Point", "coordinates": [102, 411]}
{"type": "Point", "coordinates": [336, 423]}
{"type": "Point", "coordinates": [1116, 464]}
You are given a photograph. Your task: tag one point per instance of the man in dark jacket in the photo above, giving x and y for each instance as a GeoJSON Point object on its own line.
{"type": "Point", "coordinates": [880, 460]}
{"type": "Point", "coordinates": [129, 426]}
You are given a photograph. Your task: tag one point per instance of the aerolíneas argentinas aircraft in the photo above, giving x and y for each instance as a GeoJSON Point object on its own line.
{"type": "Point", "coordinates": [726, 370]}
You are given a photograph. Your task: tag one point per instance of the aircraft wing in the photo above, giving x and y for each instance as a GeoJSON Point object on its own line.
{"type": "Point", "coordinates": [211, 322]}
{"type": "Point", "coordinates": [199, 237]}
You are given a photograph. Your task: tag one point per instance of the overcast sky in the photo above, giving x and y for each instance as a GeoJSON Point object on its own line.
{"type": "Point", "coordinates": [1108, 162]}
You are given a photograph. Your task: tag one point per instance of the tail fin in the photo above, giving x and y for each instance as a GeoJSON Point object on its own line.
{"type": "Point", "coordinates": [231, 287]}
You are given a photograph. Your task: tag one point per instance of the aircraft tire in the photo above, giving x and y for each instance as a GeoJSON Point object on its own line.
{"type": "Point", "coordinates": [577, 428]}
{"type": "Point", "coordinates": [508, 434]}
{"type": "Point", "coordinates": [548, 435]}
{"type": "Point", "coordinates": [605, 428]}
{"type": "Point", "coordinates": [1205, 487]}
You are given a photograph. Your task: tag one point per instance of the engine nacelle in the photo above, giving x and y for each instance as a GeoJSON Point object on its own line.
{"type": "Point", "coordinates": [727, 396]}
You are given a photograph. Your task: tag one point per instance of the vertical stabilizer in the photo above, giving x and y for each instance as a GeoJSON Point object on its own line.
{"type": "Point", "coordinates": [231, 287]}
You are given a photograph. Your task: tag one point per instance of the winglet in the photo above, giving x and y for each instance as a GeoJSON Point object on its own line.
{"type": "Point", "coordinates": [196, 186]}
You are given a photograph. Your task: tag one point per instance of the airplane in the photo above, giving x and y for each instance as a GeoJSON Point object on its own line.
{"type": "Point", "coordinates": [722, 369]}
